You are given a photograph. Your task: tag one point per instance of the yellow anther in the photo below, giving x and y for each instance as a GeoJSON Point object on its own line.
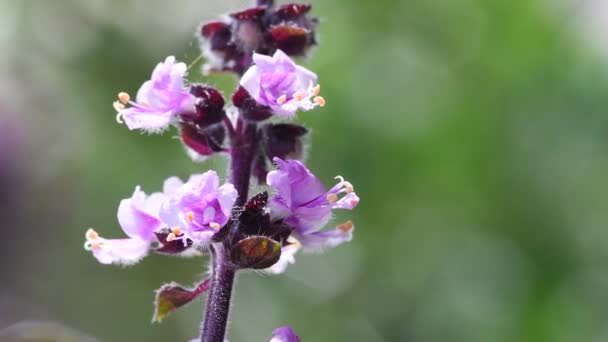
{"type": "Point", "coordinates": [214, 225]}
{"type": "Point", "coordinates": [118, 106]}
{"type": "Point", "coordinates": [298, 95]}
{"type": "Point", "coordinates": [349, 187]}
{"type": "Point", "coordinates": [316, 90]}
{"type": "Point", "coordinates": [346, 226]}
{"type": "Point", "coordinates": [282, 99]}
{"type": "Point", "coordinates": [92, 234]}
{"type": "Point", "coordinates": [176, 230]}
{"type": "Point", "coordinates": [171, 237]}
{"type": "Point", "coordinates": [123, 97]}
{"type": "Point", "coordinates": [319, 100]}
{"type": "Point", "coordinates": [190, 216]}
{"type": "Point", "coordinates": [332, 198]}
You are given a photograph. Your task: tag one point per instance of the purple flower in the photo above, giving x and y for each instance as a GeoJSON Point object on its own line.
{"type": "Point", "coordinates": [303, 203]}
{"type": "Point", "coordinates": [138, 217]}
{"type": "Point", "coordinates": [277, 82]}
{"type": "Point", "coordinates": [284, 334]}
{"type": "Point", "coordinates": [158, 100]}
{"type": "Point", "coordinates": [199, 207]}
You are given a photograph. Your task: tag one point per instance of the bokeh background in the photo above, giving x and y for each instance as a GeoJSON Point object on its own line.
{"type": "Point", "coordinates": [475, 132]}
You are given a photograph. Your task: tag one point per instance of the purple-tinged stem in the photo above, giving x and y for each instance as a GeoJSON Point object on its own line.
{"type": "Point", "coordinates": [243, 150]}
{"type": "Point", "coordinates": [218, 298]}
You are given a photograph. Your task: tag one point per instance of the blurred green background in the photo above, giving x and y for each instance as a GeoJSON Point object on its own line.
{"type": "Point", "coordinates": [475, 132]}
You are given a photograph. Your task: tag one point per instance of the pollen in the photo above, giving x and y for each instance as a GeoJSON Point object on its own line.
{"type": "Point", "coordinates": [124, 97]}
{"type": "Point", "coordinates": [118, 106]}
{"type": "Point", "coordinates": [92, 234]}
{"type": "Point", "coordinates": [332, 198]}
{"type": "Point", "coordinates": [171, 237]}
{"type": "Point", "coordinates": [319, 100]}
{"type": "Point", "coordinates": [282, 99]}
{"type": "Point", "coordinates": [316, 90]}
{"type": "Point", "coordinates": [214, 225]}
{"type": "Point", "coordinates": [190, 216]}
{"type": "Point", "coordinates": [346, 226]}
{"type": "Point", "coordinates": [176, 230]}
{"type": "Point", "coordinates": [298, 95]}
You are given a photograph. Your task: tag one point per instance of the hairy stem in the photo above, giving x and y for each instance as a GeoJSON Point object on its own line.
{"type": "Point", "coordinates": [243, 150]}
{"type": "Point", "coordinates": [218, 298]}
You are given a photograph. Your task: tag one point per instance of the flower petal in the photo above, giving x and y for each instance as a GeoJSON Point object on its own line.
{"type": "Point", "coordinates": [287, 257]}
{"type": "Point", "coordinates": [121, 251]}
{"type": "Point", "coordinates": [135, 220]}
{"type": "Point", "coordinates": [284, 334]}
{"type": "Point", "coordinates": [320, 240]}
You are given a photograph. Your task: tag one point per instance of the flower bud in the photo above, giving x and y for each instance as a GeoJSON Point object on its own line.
{"type": "Point", "coordinates": [249, 108]}
{"type": "Point", "coordinates": [284, 141]}
{"type": "Point", "coordinates": [209, 105]}
{"type": "Point", "coordinates": [203, 141]}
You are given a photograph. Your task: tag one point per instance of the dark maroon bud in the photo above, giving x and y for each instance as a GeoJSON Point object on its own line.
{"type": "Point", "coordinates": [218, 34]}
{"type": "Point", "coordinates": [255, 219]}
{"type": "Point", "coordinates": [249, 108]}
{"type": "Point", "coordinates": [292, 40]}
{"type": "Point", "coordinates": [209, 104]}
{"type": "Point", "coordinates": [284, 141]}
{"type": "Point", "coordinates": [170, 242]}
{"type": "Point", "coordinates": [252, 13]}
{"type": "Point", "coordinates": [205, 141]}
{"type": "Point", "coordinates": [255, 252]}
{"type": "Point", "coordinates": [292, 10]}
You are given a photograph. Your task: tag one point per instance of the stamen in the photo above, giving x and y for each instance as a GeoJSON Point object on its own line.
{"type": "Point", "coordinates": [346, 226]}
{"type": "Point", "coordinates": [176, 230]}
{"type": "Point", "coordinates": [319, 100]}
{"type": "Point", "coordinates": [118, 106]}
{"type": "Point", "coordinates": [332, 198]}
{"type": "Point", "coordinates": [282, 99]}
{"type": "Point", "coordinates": [190, 217]}
{"type": "Point", "coordinates": [96, 244]}
{"type": "Point", "coordinates": [144, 102]}
{"type": "Point", "coordinates": [316, 90]}
{"type": "Point", "coordinates": [124, 97]}
{"type": "Point", "coordinates": [171, 237]}
{"type": "Point", "coordinates": [349, 187]}
{"type": "Point", "coordinates": [298, 95]}
{"type": "Point", "coordinates": [214, 225]}
{"type": "Point", "coordinates": [92, 234]}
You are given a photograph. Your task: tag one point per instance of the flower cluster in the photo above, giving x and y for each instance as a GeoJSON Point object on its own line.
{"type": "Point", "coordinates": [201, 216]}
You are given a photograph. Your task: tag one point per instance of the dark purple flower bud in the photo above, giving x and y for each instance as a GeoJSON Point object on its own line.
{"type": "Point", "coordinates": [203, 141]}
{"type": "Point", "coordinates": [228, 45]}
{"type": "Point", "coordinates": [171, 246]}
{"type": "Point", "coordinates": [257, 252]}
{"type": "Point", "coordinates": [249, 108]}
{"type": "Point", "coordinates": [209, 105]}
{"type": "Point", "coordinates": [292, 40]}
{"type": "Point", "coordinates": [284, 141]}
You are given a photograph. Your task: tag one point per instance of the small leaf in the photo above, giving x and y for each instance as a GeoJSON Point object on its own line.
{"type": "Point", "coordinates": [172, 296]}
{"type": "Point", "coordinates": [256, 252]}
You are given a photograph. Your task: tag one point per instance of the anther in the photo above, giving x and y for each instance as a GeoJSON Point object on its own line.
{"type": "Point", "coordinates": [190, 216]}
{"type": "Point", "coordinates": [214, 225]}
{"type": "Point", "coordinates": [92, 234]}
{"type": "Point", "coordinates": [298, 95]}
{"type": "Point", "coordinates": [171, 237]}
{"type": "Point", "coordinates": [346, 226]}
{"type": "Point", "coordinates": [123, 97]}
{"type": "Point", "coordinates": [282, 99]}
{"type": "Point", "coordinates": [349, 187]}
{"type": "Point", "coordinates": [332, 198]}
{"type": "Point", "coordinates": [118, 106]}
{"type": "Point", "coordinates": [316, 90]}
{"type": "Point", "coordinates": [319, 100]}
{"type": "Point", "coordinates": [176, 230]}
{"type": "Point", "coordinates": [96, 244]}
